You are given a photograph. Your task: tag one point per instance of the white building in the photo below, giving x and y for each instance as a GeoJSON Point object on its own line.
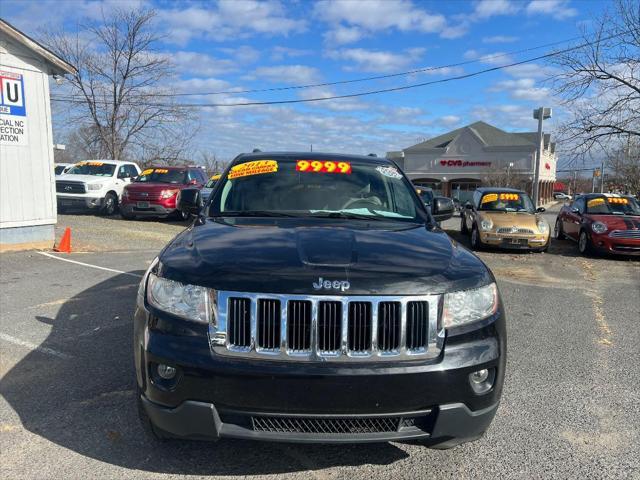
{"type": "Point", "coordinates": [458, 162]}
{"type": "Point", "coordinates": [27, 186]}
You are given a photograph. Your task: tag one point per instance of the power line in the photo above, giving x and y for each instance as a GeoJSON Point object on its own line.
{"type": "Point", "coordinates": [358, 94]}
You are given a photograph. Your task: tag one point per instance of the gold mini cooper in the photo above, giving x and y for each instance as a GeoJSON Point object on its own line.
{"type": "Point", "coordinates": [504, 218]}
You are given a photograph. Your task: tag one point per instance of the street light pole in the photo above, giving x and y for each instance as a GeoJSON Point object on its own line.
{"type": "Point", "coordinates": [539, 114]}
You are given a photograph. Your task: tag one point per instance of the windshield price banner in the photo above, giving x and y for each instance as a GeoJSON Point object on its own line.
{"type": "Point", "coordinates": [326, 166]}
{"type": "Point", "coordinates": [13, 113]}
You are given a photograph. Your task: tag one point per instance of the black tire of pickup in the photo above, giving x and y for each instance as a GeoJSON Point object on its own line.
{"type": "Point", "coordinates": [110, 204]}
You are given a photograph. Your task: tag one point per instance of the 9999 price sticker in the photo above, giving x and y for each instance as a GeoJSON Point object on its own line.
{"type": "Point", "coordinates": [323, 166]}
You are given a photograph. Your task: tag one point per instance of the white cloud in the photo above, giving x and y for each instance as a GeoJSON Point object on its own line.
{"type": "Point", "coordinates": [522, 89]}
{"type": "Point", "coordinates": [341, 35]}
{"type": "Point", "coordinates": [499, 39]}
{"type": "Point", "coordinates": [242, 54]}
{"type": "Point", "coordinates": [449, 120]}
{"type": "Point", "coordinates": [286, 74]}
{"type": "Point", "coordinates": [228, 20]}
{"type": "Point", "coordinates": [279, 52]}
{"type": "Point", "coordinates": [376, 60]}
{"type": "Point", "coordinates": [558, 9]}
{"type": "Point", "coordinates": [336, 105]}
{"type": "Point", "coordinates": [493, 59]}
{"type": "Point", "coordinates": [201, 64]}
{"type": "Point", "coordinates": [352, 20]}
{"type": "Point", "coordinates": [489, 8]}
{"type": "Point", "coordinates": [532, 70]}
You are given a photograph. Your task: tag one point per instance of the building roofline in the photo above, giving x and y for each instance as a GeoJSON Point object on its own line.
{"type": "Point", "coordinates": [60, 66]}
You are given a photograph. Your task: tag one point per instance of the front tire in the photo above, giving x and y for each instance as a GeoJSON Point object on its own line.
{"type": "Point", "coordinates": [476, 243]}
{"type": "Point", "coordinates": [110, 204]}
{"type": "Point", "coordinates": [584, 244]}
{"type": "Point", "coordinates": [558, 230]}
{"type": "Point", "coordinates": [463, 226]}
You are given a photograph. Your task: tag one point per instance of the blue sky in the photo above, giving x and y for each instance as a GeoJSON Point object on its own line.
{"type": "Point", "coordinates": [240, 45]}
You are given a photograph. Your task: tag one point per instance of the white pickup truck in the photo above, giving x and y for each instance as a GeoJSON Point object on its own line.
{"type": "Point", "coordinates": [94, 185]}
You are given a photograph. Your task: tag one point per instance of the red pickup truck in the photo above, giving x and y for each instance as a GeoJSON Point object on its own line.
{"type": "Point", "coordinates": [154, 192]}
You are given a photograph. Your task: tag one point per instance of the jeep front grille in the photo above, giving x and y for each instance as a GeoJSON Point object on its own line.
{"type": "Point", "coordinates": [328, 426]}
{"type": "Point", "coordinates": [343, 328]}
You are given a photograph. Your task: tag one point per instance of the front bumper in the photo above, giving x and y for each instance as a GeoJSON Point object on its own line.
{"type": "Point", "coordinates": [514, 241]}
{"type": "Point", "coordinates": [152, 210]}
{"type": "Point", "coordinates": [213, 396]}
{"type": "Point", "coordinates": [444, 426]}
{"type": "Point", "coordinates": [615, 246]}
{"type": "Point", "coordinates": [79, 202]}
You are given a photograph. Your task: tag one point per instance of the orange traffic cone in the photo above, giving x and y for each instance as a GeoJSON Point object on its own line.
{"type": "Point", "coordinates": [65, 242]}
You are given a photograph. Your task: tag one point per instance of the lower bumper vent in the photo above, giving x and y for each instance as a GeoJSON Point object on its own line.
{"type": "Point", "coordinates": [329, 426]}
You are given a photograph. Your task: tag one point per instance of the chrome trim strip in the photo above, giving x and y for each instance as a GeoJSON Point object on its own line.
{"type": "Point", "coordinates": [219, 340]}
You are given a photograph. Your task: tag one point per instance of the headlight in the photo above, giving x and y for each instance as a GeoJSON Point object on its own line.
{"type": "Point", "coordinates": [543, 226]}
{"type": "Point", "coordinates": [190, 302]}
{"type": "Point", "coordinates": [598, 227]}
{"type": "Point", "coordinates": [468, 306]}
{"type": "Point", "coordinates": [168, 193]}
{"type": "Point", "coordinates": [486, 224]}
{"type": "Point", "coordinates": [94, 186]}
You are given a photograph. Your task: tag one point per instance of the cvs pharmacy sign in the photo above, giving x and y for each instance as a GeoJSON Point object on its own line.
{"type": "Point", "coordinates": [12, 94]}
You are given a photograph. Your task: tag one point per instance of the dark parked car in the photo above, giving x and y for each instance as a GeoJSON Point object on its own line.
{"type": "Point", "coordinates": [154, 193]}
{"type": "Point", "coordinates": [318, 301]}
{"type": "Point", "coordinates": [427, 196]}
{"type": "Point", "coordinates": [604, 223]}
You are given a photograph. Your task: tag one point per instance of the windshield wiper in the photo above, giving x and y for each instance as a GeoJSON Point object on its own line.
{"type": "Point", "coordinates": [350, 216]}
{"type": "Point", "coordinates": [254, 213]}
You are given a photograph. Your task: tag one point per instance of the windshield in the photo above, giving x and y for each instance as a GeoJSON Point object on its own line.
{"type": "Point", "coordinates": [506, 202]}
{"type": "Point", "coordinates": [99, 169]}
{"type": "Point", "coordinates": [318, 188]}
{"type": "Point", "coordinates": [613, 206]}
{"type": "Point", "coordinates": [162, 175]}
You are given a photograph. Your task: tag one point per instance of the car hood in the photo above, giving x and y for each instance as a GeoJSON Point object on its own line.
{"type": "Point", "coordinates": [153, 186]}
{"type": "Point", "coordinates": [618, 222]}
{"type": "Point", "coordinates": [82, 178]}
{"type": "Point", "coordinates": [512, 219]}
{"type": "Point", "coordinates": [289, 255]}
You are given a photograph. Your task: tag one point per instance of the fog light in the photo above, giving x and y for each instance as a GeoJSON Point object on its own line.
{"type": "Point", "coordinates": [476, 377]}
{"type": "Point", "coordinates": [481, 381]}
{"type": "Point", "coordinates": [166, 372]}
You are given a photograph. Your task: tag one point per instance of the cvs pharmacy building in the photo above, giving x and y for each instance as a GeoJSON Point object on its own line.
{"type": "Point", "coordinates": [458, 162]}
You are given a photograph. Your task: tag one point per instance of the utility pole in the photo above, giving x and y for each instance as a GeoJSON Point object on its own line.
{"type": "Point", "coordinates": [602, 176]}
{"type": "Point", "coordinates": [539, 114]}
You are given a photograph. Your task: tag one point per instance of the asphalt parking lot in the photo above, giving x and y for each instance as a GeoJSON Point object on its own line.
{"type": "Point", "coordinates": [570, 408]}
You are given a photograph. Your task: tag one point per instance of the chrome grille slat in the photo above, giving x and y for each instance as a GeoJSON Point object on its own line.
{"type": "Point", "coordinates": [625, 234]}
{"type": "Point", "coordinates": [347, 328]}
{"type": "Point", "coordinates": [524, 231]}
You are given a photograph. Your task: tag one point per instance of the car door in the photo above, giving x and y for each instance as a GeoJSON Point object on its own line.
{"type": "Point", "coordinates": [573, 218]}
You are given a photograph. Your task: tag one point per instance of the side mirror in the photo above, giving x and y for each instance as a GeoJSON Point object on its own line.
{"type": "Point", "coordinates": [468, 206]}
{"type": "Point", "coordinates": [575, 210]}
{"type": "Point", "coordinates": [541, 209]}
{"type": "Point", "coordinates": [442, 209]}
{"type": "Point", "coordinates": [189, 201]}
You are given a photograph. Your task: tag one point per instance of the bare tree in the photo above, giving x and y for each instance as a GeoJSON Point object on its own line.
{"type": "Point", "coordinates": [211, 162]}
{"type": "Point", "coordinates": [600, 82]}
{"type": "Point", "coordinates": [117, 91]}
{"type": "Point", "coordinates": [624, 167]}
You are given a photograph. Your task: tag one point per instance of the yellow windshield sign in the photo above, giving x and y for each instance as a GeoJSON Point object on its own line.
{"type": "Point", "coordinates": [509, 196]}
{"type": "Point", "coordinates": [215, 177]}
{"type": "Point", "coordinates": [490, 197]}
{"type": "Point", "coordinates": [148, 171]}
{"type": "Point", "coordinates": [256, 167]}
{"type": "Point", "coordinates": [618, 200]}
{"type": "Point", "coordinates": [594, 202]}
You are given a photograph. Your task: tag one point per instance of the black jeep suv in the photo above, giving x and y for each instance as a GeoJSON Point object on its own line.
{"type": "Point", "coordinates": [314, 299]}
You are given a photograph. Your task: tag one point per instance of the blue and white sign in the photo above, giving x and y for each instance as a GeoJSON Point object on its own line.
{"type": "Point", "coordinates": [13, 111]}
